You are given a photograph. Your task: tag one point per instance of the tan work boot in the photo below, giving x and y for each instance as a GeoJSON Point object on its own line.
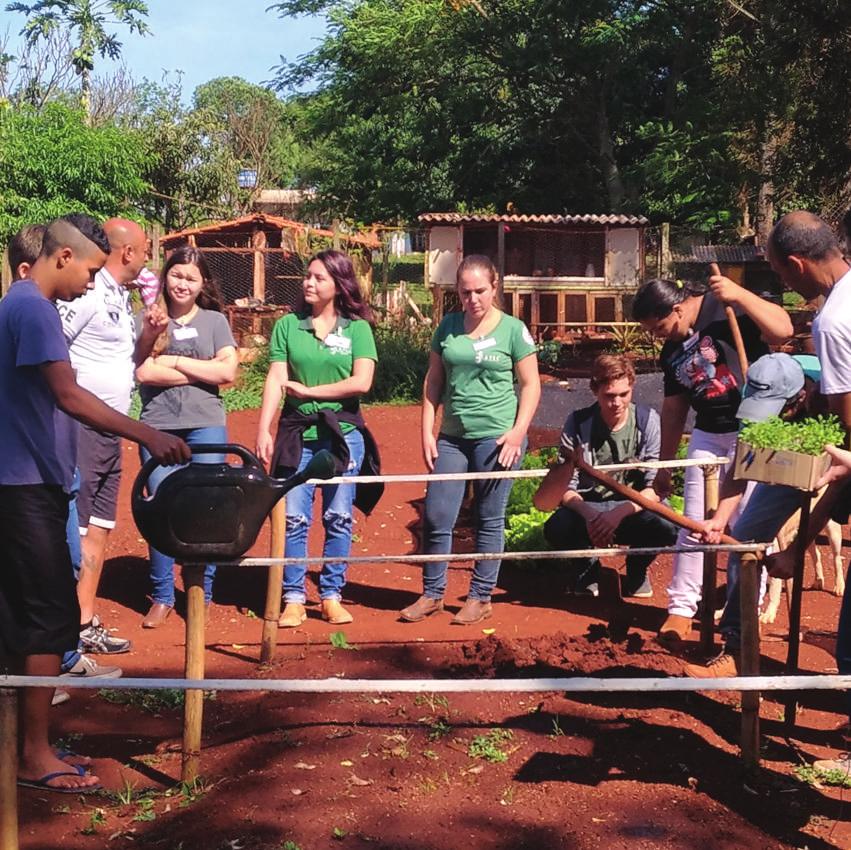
{"type": "Point", "coordinates": [424, 607]}
{"type": "Point", "coordinates": [723, 666]}
{"type": "Point", "coordinates": [675, 629]}
{"type": "Point", "coordinates": [472, 611]}
{"type": "Point", "coordinates": [335, 613]}
{"type": "Point", "coordinates": [293, 616]}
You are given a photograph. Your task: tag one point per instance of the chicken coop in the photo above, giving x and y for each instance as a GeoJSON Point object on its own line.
{"type": "Point", "coordinates": [259, 260]}
{"type": "Point", "coordinates": [558, 273]}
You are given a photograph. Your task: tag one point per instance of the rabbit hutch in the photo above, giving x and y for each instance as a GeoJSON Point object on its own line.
{"type": "Point", "coordinates": [560, 274]}
{"type": "Point", "coordinates": [259, 260]}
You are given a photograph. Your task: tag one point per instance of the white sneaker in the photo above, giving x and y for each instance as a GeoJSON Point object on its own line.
{"type": "Point", "coordinates": [88, 668]}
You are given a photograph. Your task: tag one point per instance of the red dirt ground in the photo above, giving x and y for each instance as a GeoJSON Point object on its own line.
{"type": "Point", "coordinates": [394, 771]}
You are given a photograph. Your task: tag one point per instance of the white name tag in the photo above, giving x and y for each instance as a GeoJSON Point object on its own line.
{"type": "Point", "coordinates": [338, 341]}
{"type": "Point", "coordinates": [482, 344]}
{"type": "Point", "coordinates": [184, 333]}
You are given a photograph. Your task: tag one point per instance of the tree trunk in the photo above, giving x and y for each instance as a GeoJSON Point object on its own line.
{"type": "Point", "coordinates": [608, 164]}
{"type": "Point", "coordinates": [765, 197]}
{"type": "Point", "coordinates": [86, 94]}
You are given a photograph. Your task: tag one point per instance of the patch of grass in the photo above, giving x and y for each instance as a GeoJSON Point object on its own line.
{"type": "Point", "coordinates": [152, 701]}
{"type": "Point", "coordinates": [402, 362]}
{"type": "Point", "coordinates": [439, 728]}
{"type": "Point", "coordinates": [490, 747]}
{"type": "Point", "coordinates": [145, 810]}
{"type": "Point", "coordinates": [435, 702]}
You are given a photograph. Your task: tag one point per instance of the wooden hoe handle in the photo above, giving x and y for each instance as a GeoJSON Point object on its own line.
{"type": "Point", "coordinates": [648, 504]}
{"type": "Point", "coordinates": [734, 329]}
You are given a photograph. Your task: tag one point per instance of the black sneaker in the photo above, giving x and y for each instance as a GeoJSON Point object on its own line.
{"type": "Point", "coordinates": [95, 638]}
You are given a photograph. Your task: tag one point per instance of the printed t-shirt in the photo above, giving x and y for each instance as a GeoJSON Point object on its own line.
{"type": "Point", "coordinates": [478, 393]}
{"type": "Point", "coordinates": [312, 361]}
{"type": "Point", "coordinates": [706, 367]}
{"type": "Point", "coordinates": [195, 405]}
{"type": "Point", "coordinates": [38, 442]}
{"type": "Point", "coordinates": [832, 338]}
{"type": "Point", "coordinates": [101, 332]}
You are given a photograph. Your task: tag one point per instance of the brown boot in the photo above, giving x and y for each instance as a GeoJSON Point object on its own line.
{"type": "Point", "coordinates": [335, 613]}
{"type": "Point", "coordinates": [157, 614]}
{"type": "Point", "coordinates": [473, 611]}
{"type": "Point", "coordinates": [721, 667]}
{"type": "Point", "coordinates": [675, 629]}
{"type": "Point", "coordinates": [293, 616]}
{"type": "Point", "coordinates": [424, 607]}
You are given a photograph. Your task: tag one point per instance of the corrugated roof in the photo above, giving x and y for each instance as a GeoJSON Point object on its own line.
{"type": "Point", "coordinates": [464, 218]}
{"type": "Point", "coordinates": [368, 240]}
{"type": "Point", "coordinates": [721, 254]}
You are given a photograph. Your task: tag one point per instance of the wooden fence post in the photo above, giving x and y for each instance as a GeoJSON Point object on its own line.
{"type": "Point", "coordinates": [710, 563]}
{"type": "Point", "coordinates": [193, 708]}
{"type": "Point", "coordinates": [750, 568]}
{"type": "Point", "coordinates": [8, 769]}
{"type": "Point", "coordinates": [274, 580]}
{"type": "Point", "coordinates": [795, 609]}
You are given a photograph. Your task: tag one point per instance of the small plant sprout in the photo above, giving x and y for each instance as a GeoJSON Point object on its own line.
{"type": "Point", "coordinates": [434, 702]}
{"type": "Point", "coordinates": [339, 641]}
{"type": "Point", "coordinates": [489, 747]}
{"type": "Point", "coordinates": [557, 732]}
{"type": "Point", "coordinates": [338, 834]}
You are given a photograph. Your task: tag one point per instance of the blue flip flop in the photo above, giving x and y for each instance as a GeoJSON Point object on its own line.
{"type": "Point", "coordinates": [64, 754]}
{"type": "Point", "coordinates": [41, 784]}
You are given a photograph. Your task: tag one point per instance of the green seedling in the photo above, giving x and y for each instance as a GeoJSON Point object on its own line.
{"type": "Point", "coordinates": [431, 755]}
{"type": "Point", "coordinates": [338, 834]}
{"type": "Point", "coordinates": [146, 810]}
{"type": "Point", "coordinates": [807, 773]}
{"type": "Point", "coordinates": [434, 702]}
{"type": "Point", "coordinates": [97, 817]}
{"type": "Point", "coordinates": [808, 437]}
{"type": "Point", "coordinates": [339, 641]}
{"type": "Point", "coordinates": [489, 747]}
{"type": "Point", "coordinates": [557, 732]}
{"type": "Point", "coordinates": [290, 845]}
{"type": "Point", "coordinates": [438, 729]}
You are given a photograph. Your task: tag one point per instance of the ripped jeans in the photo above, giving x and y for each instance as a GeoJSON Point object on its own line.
{"type": "Point", "coordinates": [336, 518]}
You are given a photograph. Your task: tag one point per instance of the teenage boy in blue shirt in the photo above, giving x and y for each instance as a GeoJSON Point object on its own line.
{"type": "Point", "coordinates": [39, 612]}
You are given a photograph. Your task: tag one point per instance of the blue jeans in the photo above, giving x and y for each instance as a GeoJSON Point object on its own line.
{"type": "Point", "coordinates": [337, 521]}
{"type": "Point", "coordinates": [443, 501]}
{"type": "Point", "coordinates": [769, 507]}
{"type": "Point", "coordinates": [72, 535]}
{"type": "Point", "coordinates": [162, 566]}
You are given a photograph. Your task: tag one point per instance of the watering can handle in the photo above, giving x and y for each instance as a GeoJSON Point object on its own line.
{"type": "Point", "coordinates": [248, 458]}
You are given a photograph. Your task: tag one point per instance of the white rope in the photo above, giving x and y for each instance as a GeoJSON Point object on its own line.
{"type": "Point", "coordinates": [506, 556]}
{"type": "Point", "coordinates": [425, 477]}
{"type": "Point", "coordinates": [577, 684]}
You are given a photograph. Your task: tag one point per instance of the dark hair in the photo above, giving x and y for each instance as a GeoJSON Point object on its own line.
{"type": "Point", "coordinates": [209, 298]}
{"type": "Point", "coordinates": [804, 235]}
{"type": "Point", "coordinates": [348, 299]}
{"type": "Point", "coordinates": [85, 225]}
{"type": "Point", "coordinates": [658, 297]}
{"type": "Point", "coordinates": [476, 261]}
{"type": "Point", "coordinates": [611, 367]}
{"type": "Point", "coordinates": [25, 246]}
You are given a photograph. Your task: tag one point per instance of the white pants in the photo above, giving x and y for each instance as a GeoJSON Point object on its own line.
{"type": "Point", "coordinates": [686, 585]}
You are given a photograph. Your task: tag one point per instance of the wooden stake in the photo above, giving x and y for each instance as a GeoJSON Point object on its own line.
{"type": "Point", "coordinates": [795, 610]}
{"type": "Point", "coordinates": [193, 709]}
{"type": "Point", "coordinates": [710, 563]}
{"type": "Point", "coordinates": [8, 769]}
{"type": "Point", "coordinates": [749, 575]}
{"type": "Point", "coordinates": [274, 581]}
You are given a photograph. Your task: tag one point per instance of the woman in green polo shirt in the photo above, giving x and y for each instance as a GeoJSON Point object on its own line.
{"type": "Point", "coordinates": [322, 360]}
{"type": "Point", "coordinates": [475, 357]}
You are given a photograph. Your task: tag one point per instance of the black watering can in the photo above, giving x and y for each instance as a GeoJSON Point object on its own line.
{"type": "Point", "coordinates": [208, 512]}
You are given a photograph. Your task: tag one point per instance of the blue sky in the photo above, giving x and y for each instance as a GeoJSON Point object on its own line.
{"type": "Point", "coordinates": [207, 39]}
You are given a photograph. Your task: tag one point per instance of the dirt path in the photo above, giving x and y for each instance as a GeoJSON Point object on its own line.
{"type": "Point", "coordinates": [396, 771]}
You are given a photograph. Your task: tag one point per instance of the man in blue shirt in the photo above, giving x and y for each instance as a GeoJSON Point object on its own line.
{"type": "Point", "coordinates": [39, 613]}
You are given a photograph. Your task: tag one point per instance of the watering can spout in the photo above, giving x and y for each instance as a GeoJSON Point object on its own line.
{"type": "Point", "coordinates": [203, 512]}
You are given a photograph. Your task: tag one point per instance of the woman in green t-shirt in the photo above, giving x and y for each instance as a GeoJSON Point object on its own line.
{"type": "Point", "coordinates": [475, 357]}
{"type": "Point", "coordinates": [322, 360]}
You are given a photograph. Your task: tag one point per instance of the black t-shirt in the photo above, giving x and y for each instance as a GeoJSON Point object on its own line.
{"type": "Point", "coordinates": [705, 365]}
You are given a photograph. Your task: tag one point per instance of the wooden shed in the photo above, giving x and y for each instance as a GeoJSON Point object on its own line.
{"type": "Point", "coordinates": [555, 271]}
{"type": "Point", "coordinates": [746, 264]}
{"type": "Point", "coordinates": [258, 262]}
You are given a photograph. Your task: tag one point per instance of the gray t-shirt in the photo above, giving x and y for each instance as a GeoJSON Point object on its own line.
{"type": "Point", "coordinates": [193, 405]}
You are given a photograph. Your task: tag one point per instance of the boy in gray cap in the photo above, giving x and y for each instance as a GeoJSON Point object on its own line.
{"type": "Point", "coordinates": [777, 385]}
